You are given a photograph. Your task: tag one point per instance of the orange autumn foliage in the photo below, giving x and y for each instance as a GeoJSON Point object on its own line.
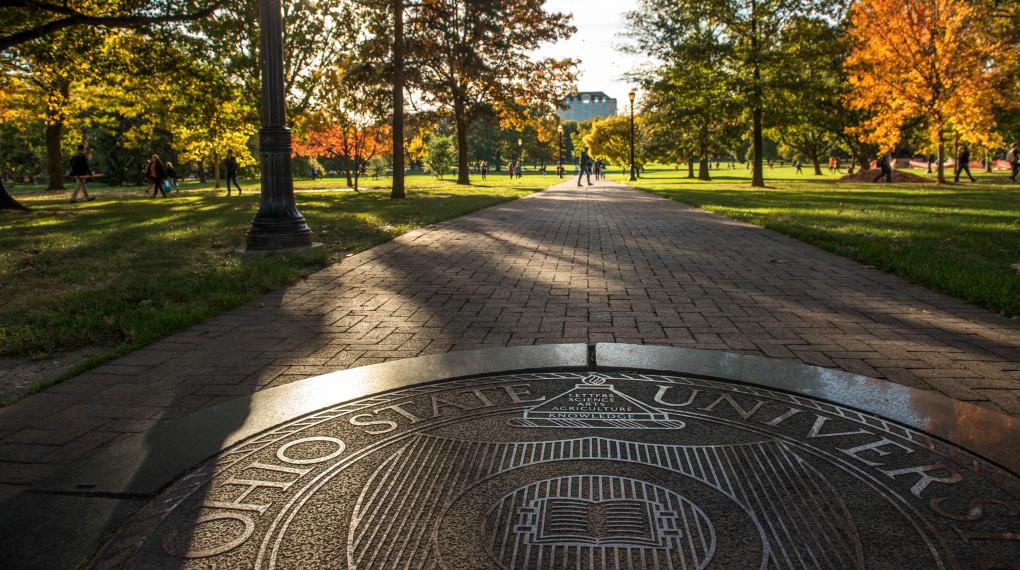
{"type": "Point", "coordinates": [922, 59]}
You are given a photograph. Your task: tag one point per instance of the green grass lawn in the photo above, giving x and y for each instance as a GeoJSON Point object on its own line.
{"type": "Point", "coordinates": [960, 239]}
{"type": "Point", "coordinates": [125, 270]}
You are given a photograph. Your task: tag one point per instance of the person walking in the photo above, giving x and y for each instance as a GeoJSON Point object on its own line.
{"type": "Point", "coordinates": [885, 167]}
{"type": "Point", "coordinates": [171, 176]}
{"type": "Point", "coordinates": [585, 164]}
{"type": "Point", "coordinates": [963, 163]}
{"type": "Point", "coordinates": [797, 164]}
{"type": "Point", "coordinates": [510, 169]}
{"type": "Point", "coordinates": [230, 165]}
{"type": "Point", "coordinates": [1013, 158]}
{"type": "Point", "coordinates": [80, 170]}
{"type": "Point", "coordinates": [517, 170]}
{"type": "Point", "coordinates": [156, 174]}
{"type": "Point", "coordinates": [484, 168]}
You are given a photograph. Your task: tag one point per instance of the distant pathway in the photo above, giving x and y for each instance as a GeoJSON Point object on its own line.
{"type": "Point", "coordinates": [606, 264]}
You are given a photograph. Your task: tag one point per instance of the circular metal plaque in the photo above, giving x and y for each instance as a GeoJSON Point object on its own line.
{"type": "Point", "coordinates": [579, 470]}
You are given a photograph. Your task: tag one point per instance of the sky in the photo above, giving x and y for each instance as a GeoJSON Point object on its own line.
{"type": "Point", "coordinates": [597, 22]}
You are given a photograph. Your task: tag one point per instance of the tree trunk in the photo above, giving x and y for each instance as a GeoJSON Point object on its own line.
{"type": "Point", "coordinates": [757, 162]}
{"type": "Point", "coordinates": [397, 191]}
{"type": "Point", "coordinates": [216, 169]}
{"type": "Point", "coordinates": [757, 175]}
{"type": "Point", "coordinates": [690, 166]}
{"type": "Point", "coordinates": [703, 154]}
{"type": "Point", "coordinates": [347, 170]}
{"type": "Point", "coordinates": [939, 159]}
{"type": "Point", "coordinates": [818, 165]}
{"type": "Point", "coordinates": [7, 202]}
{"type": "Point", "coordinates": [53, 155]}
{"type": "Point", "coordinates": [863, 158]}
{"type": "Point", "coordinates": [462, 128]}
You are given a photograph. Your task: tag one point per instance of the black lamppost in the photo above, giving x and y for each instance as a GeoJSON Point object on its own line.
{"type": "Point", "coordinates": [631, 96]}
{"type": "Point", "coordinates": [559, 164]}
{"type": "Point", "coordinates": [277, 224]}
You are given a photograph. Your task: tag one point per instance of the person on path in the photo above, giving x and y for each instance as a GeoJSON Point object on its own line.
{"type": "Point", "coordinates": [156, 174]}
{"type": "Point", "coordinates": [80, 170]}
{"type": "Point", "coordinates": [585, 164]}
{"type": "Point", "coordinates": [171, 176]}
{"type": "Point", "coordinates": [230, 165]}
{"type": "Point", "coordinates": [1013, 158]}
{"type": "Point", "coordinates": [885, 167]}
{"type": "Point", "coordinates": [963, 163]}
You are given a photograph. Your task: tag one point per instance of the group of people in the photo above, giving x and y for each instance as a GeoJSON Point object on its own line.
{"type": "Point", "coordinates": [514, 169]}
{"type": "Point", "coordinates": [885, 162]}
{"type": "Point", "coordinates": [161, 176]}
{"type": "Point", "coordinates": [588, 166]}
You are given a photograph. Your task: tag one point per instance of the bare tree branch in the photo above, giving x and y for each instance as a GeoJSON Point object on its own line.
{"type": "Point", "coordinates": [74, 18]}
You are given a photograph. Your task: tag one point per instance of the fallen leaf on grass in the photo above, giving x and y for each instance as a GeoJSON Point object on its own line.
{"type": "Point", "coordinates": [1016, 266]}
{"type": "Point", "coordinates": [109, 319]}
{"type": "Point", "coordinates": [894, 248]}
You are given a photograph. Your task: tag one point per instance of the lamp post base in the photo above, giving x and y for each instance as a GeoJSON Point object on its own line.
{"type": "Point", "coordinates": [283, 233]}
{"type": "Point", "coordinates": [249, 252]}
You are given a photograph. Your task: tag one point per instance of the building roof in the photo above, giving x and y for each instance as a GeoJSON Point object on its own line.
{"type": "Point", "coordinates": [590, 94]}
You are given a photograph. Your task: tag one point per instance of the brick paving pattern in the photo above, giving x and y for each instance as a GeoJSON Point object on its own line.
{"type": "Point", "coordinates": [606, 264]}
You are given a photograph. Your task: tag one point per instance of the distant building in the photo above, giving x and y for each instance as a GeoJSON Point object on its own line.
{"type": "Point", "coordinates": [586, 105]}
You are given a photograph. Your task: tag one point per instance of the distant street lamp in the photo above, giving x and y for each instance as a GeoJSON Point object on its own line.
{"type": "Point", "coordinates": [631, 97]}
{"type": "Point", "coordinates": [559, 163]}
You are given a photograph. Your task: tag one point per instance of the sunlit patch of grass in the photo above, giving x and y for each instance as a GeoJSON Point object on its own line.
{"type": "Point", "coordinates": [125, 270]}
{"type": "Point", "coordinates": [960, 239]}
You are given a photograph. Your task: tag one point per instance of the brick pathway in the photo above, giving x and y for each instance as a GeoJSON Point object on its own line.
{"type": "Point", "coordinates": [609, 264]}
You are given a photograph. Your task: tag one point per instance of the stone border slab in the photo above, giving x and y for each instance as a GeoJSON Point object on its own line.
{"type": "Point", "coordinates": [994, 436]}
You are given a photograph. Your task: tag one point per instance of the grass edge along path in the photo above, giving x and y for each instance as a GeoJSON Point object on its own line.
{"type": "Point", "coordinates": [125, 270]}
{"type": "Point", "coordinates": [958, 239]}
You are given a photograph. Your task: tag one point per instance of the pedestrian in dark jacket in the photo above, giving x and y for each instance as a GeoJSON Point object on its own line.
{"type": "Point", "coordinates": [885, 167]}
{"type": "Point", "coordinates": [963, 163]}
{"type": "Point", "coordinates": [230, 165]}
{"type": "Point", "coordinates": [156, 174]}
{"type": "Point", "coordinates": [80, 171]}
{"type": "Point", "coordinates": [585, 164]}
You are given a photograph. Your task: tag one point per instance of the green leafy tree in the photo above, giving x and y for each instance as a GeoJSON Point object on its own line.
{"type": "Point", "coordinates": [747, 38]}
{"type": "Point", "coordinates": [609, 139]}
{"type": "Point", "coordinates": [472, 54]}
{"type": "Point", "coordinates": [440, 155]}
